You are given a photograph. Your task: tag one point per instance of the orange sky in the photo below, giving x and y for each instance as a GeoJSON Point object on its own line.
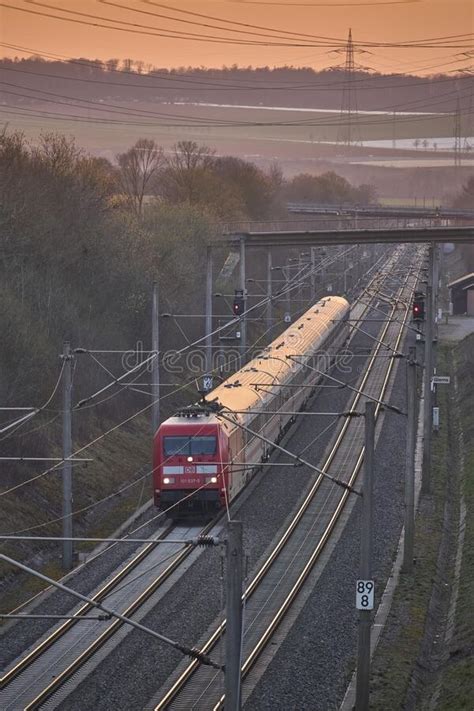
{"type": "Point", "coordinates": [372, 20]}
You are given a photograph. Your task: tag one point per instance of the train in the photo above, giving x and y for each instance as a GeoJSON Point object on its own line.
{"type": "Point", "coordinates": [206, 454]}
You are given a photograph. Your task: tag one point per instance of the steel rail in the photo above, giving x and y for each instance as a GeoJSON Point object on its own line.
{"type": "Point", "coordinates": [35, 653]}
{"type": "Point", "coordinates": [283, 609]}
{"type": "Point", "coordinates": [102, 639]}
{"type": "Point", "coordinates": [216, 636]}
{"type": "Point", "coordinates": [99, 642]}
{"type": "Point", "coordinates": [26, 661]}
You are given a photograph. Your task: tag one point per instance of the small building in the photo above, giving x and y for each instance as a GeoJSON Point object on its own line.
{"type": "Point", "coordinates": [462, 295]}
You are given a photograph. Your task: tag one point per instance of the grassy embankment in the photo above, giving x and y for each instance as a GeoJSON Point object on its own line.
{"type": "Point", "coordinates": [399, 649]}
{"type": "Point", "coordinates": [457, 680]}
{"type": "Point", "coordinates": [118, 460]}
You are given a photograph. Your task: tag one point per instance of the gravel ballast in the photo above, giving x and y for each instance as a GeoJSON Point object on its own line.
{"type": "Point", "coordinates": [137, 667]}
{"type": "Point", "coordinates": [314, 663]}
{"type": "Point", "coordinates": [20, 635]}
{"type": "Point", "coordinates": [133, 672]}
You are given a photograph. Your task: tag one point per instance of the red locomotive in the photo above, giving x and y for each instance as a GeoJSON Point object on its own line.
{"type": "Point", "coordinates": [202, 460]}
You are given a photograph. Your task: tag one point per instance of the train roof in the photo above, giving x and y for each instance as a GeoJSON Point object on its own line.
{"type": "Point", "coordinates": [254, 384]}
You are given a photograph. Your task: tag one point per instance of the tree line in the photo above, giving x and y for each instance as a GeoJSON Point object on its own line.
{"type": "Point", "coordinates": [130, 79]}
{"type": "Point", "coordinates": [82, 240]}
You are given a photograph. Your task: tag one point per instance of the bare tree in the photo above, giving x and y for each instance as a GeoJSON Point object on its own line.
{"type": "Point", "coordinates": [137, 169]}
{"type": "Point", "coordinates": [185, 168]}
{"type": "Point", "coordinates": [58, 152]}
{"type": "Point", "coordinates": [112, 65]}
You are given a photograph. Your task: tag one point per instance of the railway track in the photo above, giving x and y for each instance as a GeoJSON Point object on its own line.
{"type": "Point", "coordinates": [272, 591]}
{"type": "Point", "coordinates": [43, 670]}
{"type": "Point", "coordinates": [56, 658]}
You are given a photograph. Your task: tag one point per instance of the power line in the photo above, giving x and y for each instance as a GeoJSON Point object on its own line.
{"type": "Point", "coordinates": [349, 97]}
{"type": "Point", "coordinates": [145, 113]}
{"type": "Point", "coordinates": [201, 24]}
{"type": "Point", "coordinates": [215, 84]}
{"type": "Point", "coordinates": [144, 29]}
{"type": "Point", "coordinates": [203, 38]}
{"type": "Point", "coordinates": [27, 112]}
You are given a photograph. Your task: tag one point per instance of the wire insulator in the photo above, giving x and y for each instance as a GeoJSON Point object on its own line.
{"type": "Point", "coordinates": [206, 541]}
{"type": "Point", "coordinates": [200, 656]}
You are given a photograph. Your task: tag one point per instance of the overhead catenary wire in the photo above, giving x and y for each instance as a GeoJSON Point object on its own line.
{"type": "Point", "coordinates": [29, 416]}
{"type": "Point", "coordinates": [221, 414]}
{"type": "Point", "coordinates": [383, 403]}
{"type": "Point", "coordinates": [188, 651]}
{"type": "Point", "coordinates": [144, 524]}
{"type": "Point", "coordinates": [291, 286]}
{"type": "Point", "coordinates": [96, 503]}
{"type": "Point", "coordinates": [295, 284]}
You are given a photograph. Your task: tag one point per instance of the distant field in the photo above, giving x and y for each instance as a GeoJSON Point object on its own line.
{"type": "Point", "coordinates": [235, 130]}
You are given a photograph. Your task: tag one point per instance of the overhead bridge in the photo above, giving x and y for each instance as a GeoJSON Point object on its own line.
{"type": "Point", "coordinates": [312, 238]}
{"type": "Point", "coordinates": [409, 211]}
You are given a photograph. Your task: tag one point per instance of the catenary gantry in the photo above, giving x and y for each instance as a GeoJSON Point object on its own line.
{"type": "Point", "coordinates": [312, 238]}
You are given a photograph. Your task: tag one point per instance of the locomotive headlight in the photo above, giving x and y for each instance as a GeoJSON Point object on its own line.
{"type": "Point", "coordinates": [213, 480]}
{"type": "Point", "coordinates": [166, 480]}
{"type": "Point", "coordinates": [189, 459]}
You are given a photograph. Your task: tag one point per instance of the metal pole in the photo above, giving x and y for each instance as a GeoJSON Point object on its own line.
{"type": "Point", "coordinates": [287, 287]}
{"type": "Point", "coordinates": [427, 409]}
{"type": "Point", "coordinates": [365, 616]}
{"type": "Point", "coordinates": [269, 310]}
{"type": "Point", "coordinates": [313, 274]}
{"type": "Point", "coordinates": [67, 453]}
{"type": "Point", "coordinates": [435, 284]}
{"type": "Point", "coordinates": [300, 276]}
{"type": "Point", "coordinates": [407, 566]}
{"type": "Point", "coordinates": [208, 324]}
{"type": "Point", "coordinates": [233, 650]}
{"type": "Point", "coordinates": [243, 325]}
{"type": "Point", "coordinates": [155, 363]}
{"type": "Point", "coordinates": [344, 262]}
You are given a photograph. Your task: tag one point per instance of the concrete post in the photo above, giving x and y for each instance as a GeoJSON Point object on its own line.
{"type": "Point", "coordinates": [155, 363]}
{"type": "Point", "coordinates": [208, 324]}
{"type": "Point", "coordinates": [269, 308]}
{"type": "Point", "coordinates": [365, 616]}
{"type": "Point", "coordinates": [67, 358]}
{"type": "Point", "coordinates": [233, 641]}
{"type": "Point", "coordinates": [243, 324]}
{"type": "Point", "coordinates": [407, 566]}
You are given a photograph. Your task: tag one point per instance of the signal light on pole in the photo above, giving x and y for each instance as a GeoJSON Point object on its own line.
{"type": "Point", "coordinates": [418, 309]}
{"type": "Point", "coordinates": [239, 303]}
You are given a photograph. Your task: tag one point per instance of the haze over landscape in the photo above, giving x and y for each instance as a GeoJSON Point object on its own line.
{"type": "Point", "coordinates": [237, 283]}
{"type": "Point", "coordinates": [312, 31]}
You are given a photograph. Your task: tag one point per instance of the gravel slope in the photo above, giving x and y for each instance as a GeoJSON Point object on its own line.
{"type": "Point", "coordinates": [134, 671]}
{"type": "Point", "coordinates": [137, 667]}
{"type": "Point", "coordinates": [313, 666]}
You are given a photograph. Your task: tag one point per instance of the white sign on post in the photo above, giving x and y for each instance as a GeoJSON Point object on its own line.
{"type": "Point", "coordinates": [207, 383]}
{"type": "Point", "coordinates": [365, 594]}
{"type": "Point", "coordinates": [441, 379]}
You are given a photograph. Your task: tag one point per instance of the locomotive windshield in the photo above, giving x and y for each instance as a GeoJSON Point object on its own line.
{"type": "Point", "coordinates": [185, 446]}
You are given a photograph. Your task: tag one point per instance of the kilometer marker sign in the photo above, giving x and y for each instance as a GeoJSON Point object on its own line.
{"type": "Point", "coordinates": [365, 594]}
